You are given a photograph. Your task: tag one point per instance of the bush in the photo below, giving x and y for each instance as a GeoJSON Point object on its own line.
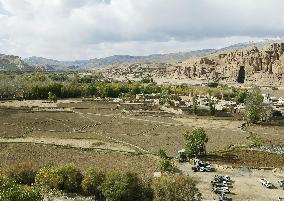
{"type": "Point", "coordinates": [163, 154]}
{"type": "Point", "coordinates": [10, 191]}
{"type": "Point", "coordinates": [23, 173]}
{"type": "Point", "coordinates": [166, 165]}
{"type": "Point", "coordinates": [122, 186]}
{"type": "Point", "coordinates": [92, 182]}
{"type": "Point", "coordinates": [67, 178]}
{"type": "Point", "coordinates": [52, 97]}
{"type": "Point", "coordinates": [49, 178]}
{"type": "Point", "coordinates": [175, 188]}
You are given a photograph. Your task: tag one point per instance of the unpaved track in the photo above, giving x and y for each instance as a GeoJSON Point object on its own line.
{"type": "Point", "coordinates": [75, 143]}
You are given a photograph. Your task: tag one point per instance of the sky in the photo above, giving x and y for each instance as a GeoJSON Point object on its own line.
{"type": "Point", "coordinates": [84, 29]}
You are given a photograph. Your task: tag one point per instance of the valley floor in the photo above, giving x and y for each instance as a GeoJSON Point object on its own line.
{"type": "Point", "coordinates": [97, 134]}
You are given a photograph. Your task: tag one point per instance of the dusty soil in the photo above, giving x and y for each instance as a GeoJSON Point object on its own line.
{"type": "Point", "coordinates": [100, 121]}
{"type": "Point", "coordinates": [96, 134]}
{"type": "Point", "coordinates": [43, 155]}
{"type": "Point", "coordinates": [269, 134]}
{"type": "Point", "coordinates": [75, 143]}
{"type": "Point", "coordinates": [247, 158]}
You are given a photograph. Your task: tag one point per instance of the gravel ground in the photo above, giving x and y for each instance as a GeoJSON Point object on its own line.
{"type": "Point", "coordinates": [246, 185]}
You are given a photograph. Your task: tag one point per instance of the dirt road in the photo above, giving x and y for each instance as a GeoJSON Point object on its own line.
{"type": "Point", "coordinates": [76, 143]}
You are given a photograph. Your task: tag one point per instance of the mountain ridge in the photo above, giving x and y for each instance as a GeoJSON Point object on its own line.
{"type": "Point", "coordinates": [34, 63]}
{"type": "Point", "coordinates": [115, 59]}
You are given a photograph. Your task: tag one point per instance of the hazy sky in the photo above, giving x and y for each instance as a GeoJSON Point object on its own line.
{"type": "Point", "coordinates": [81, 29]}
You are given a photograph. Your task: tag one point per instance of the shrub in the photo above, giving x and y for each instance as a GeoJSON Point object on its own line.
{"type": "Point", "coordinates": [23, 173]}
{"type": "Point", "coordinates": [166, 165]}
{"type": "Point", "coordinates": [72, 178]}
{"type": "Point", "coordinates": [175, 188]}
{"type": "Point", "coordinates": [163, 154]}
{"type": "Point", "coordinates": [122, 186]}
{"type": "Point", "coordinates": [49, 178]}
{"type": "Point", "coordinates": [92, 182]}
{"type": "Point", "coordinates": [67, 178]}
{"type": "Point", "coordinates": [52, 97]}
{"type": "Point", "coordinates": [10, 191]}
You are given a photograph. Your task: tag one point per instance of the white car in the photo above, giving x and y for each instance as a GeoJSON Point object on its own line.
{"type": "Point", "coordinates": [266, 183]}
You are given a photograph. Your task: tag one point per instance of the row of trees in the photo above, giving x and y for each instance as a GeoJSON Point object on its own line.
{"type": "Point", "coordinates": [37, 86]}
{"type": "Point", "coordinates": [112, 186]}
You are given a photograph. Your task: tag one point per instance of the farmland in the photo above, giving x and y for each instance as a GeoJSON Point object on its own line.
{"type": "Point", "coordinates": [92, 133]}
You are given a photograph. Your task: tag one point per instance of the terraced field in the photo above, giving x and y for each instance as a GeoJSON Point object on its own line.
{"type": "Point", "coordinates": [90, 128]}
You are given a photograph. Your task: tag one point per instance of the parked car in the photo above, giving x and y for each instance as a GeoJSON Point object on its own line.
{"type": "Point", "coordinates": [266, 183]}
{"type": "Point", "coordinates": [202, 166]}
{"type": "Point", "coordinates": [221, 190]}
{"type": "Point", "coordinates": [225, 178]}
{"type": "Point", "coordinates": [224, 197]}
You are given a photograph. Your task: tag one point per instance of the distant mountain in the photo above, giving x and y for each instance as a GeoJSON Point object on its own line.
{"type": "Point", "coordinates": [50, 64]}
{"type": "Point", "coordinates": [14, 63]}
{"type": "Point", "coordinates": [42, 64]}
{"type": "Point", "coordinates": [259, 44]}
{"type": "Point", "coordinates": [116, 59]}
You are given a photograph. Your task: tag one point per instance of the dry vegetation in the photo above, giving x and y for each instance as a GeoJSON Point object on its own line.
{"type": "Point", "coordinates": [113, 138]}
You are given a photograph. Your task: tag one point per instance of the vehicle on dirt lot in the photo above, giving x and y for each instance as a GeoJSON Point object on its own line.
{"type": "Point", "coordinates": [223, 179]}
{"type": "Point", "coordinates": [224, 197]}
{"type": "Point", "coordinates": [266, 183]}
{"type": "Point", "coordinates": [216, 184]}
{"type": "Point", "coordinates": [202, 166]}
{"type": "Point", "coordinates": [221, 190]}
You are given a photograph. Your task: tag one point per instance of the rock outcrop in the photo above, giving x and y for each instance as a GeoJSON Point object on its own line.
{"type": "Point", "coordinates": [252, 64]}
{"type": "Point", "coordinates": [13, 63]}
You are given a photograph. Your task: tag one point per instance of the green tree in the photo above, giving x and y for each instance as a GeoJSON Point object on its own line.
{"type": "Point", "coordinates": [255, 109]}
{"type": "Point", "coordinates": [119, 186]}
{"type": "Point", "coordinates": [175, 188]}
{"type": "Point", "coordinates": [195, 142]}
{"type": "Point", "coordinates": [66, 177]}
{"type": "Point", "coordinates": [212, 107]}
{"type": "Point", "coordinates": [92, 181]}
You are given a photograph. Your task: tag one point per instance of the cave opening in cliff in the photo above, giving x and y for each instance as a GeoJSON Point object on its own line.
{"type": "Point", "coordinates": [241, 75]}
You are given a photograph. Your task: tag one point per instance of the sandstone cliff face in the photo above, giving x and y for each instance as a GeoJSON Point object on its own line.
{"type": "Point", "coordinates": [252, 65]}
{"type": "Point", "coordinates": [265, 66]}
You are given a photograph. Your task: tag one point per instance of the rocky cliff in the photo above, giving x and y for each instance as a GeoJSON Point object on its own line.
{"type": "Point", "coordinates": [262, 65]}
